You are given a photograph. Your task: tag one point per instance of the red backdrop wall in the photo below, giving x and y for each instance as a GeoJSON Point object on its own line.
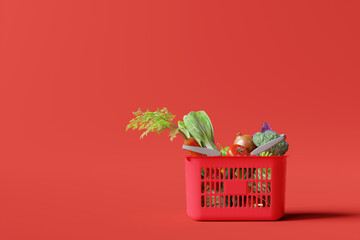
{"type": "Point", "coordinates": [73, 71]}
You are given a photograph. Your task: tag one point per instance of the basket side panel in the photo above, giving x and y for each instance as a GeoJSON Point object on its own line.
{"type": "Point", "coordinates": [193, 196]}
{"type": "Point", "coordinates": [278, 181]}
{"type": "Point", "coordinates": [278, 193]}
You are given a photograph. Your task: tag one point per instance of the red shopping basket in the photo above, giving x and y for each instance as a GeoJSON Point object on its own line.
{"type": "Point", "coordinates": [235, 188]}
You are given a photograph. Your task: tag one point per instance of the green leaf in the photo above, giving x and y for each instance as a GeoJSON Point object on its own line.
{"type": "Point", "coordinates": [183, 128]}
{"type": "Point", "coordinates": [199, 126]}
{"type": "Point", "coordinates": [157, 122]}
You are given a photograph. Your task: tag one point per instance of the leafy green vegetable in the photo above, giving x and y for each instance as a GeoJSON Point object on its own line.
{"type": "Point", "coordinates": [183, 128]}
{"type": "Point", "coordinates": [261, 138]}
{"type": "Point", "coordinates": [157, 121]}
{"type": "Point", "coordinates": [199, 126]}
{"type": "Point", "coordinates": [223, 150]}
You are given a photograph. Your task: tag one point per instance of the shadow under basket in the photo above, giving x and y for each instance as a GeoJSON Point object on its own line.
{"type": "Point", "coordinates": [235, 188]}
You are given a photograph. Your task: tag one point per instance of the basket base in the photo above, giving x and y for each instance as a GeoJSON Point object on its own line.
{"type": "Point", "coordinates": [232, 215]}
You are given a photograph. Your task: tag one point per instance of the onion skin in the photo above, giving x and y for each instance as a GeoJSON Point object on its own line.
{"type": "Point", "coordinates": [246, 141]}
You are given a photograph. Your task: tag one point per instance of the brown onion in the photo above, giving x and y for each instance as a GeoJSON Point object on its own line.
{"type": "Point", "coordinates": [245, 140]}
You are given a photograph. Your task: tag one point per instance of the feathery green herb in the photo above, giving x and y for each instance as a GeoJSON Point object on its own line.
{"type": "Point", "coordinates": [157, 121]}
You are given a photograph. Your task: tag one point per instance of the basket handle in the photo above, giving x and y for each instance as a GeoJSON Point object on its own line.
{"type": "Point", "coordinates": [206, 151]}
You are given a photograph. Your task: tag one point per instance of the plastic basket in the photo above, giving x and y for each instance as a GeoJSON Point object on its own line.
{"type": "Point", "coordinates": [235, 188]}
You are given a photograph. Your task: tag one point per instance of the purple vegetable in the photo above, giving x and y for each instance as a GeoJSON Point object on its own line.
{"type": "Point", "coordinates": [265, 127]}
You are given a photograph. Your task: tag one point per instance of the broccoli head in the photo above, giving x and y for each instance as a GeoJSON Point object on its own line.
{"type": "Point", "coordinates": [260, 138]}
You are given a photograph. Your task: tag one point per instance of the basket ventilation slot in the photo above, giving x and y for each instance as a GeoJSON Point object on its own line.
{"type": "Point", "coordinates": [213, 183]}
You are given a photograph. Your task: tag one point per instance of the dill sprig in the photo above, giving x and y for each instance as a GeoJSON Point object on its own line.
{"type": "Point", "coordinates": [157, 121]}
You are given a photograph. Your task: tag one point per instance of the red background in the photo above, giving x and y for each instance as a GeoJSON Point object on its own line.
{"type": "Point", "coordinates": [73, 71]}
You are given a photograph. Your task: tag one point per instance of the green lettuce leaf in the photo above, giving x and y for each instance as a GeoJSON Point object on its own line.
{"type": "Point", "coordinates": [198, 124]}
